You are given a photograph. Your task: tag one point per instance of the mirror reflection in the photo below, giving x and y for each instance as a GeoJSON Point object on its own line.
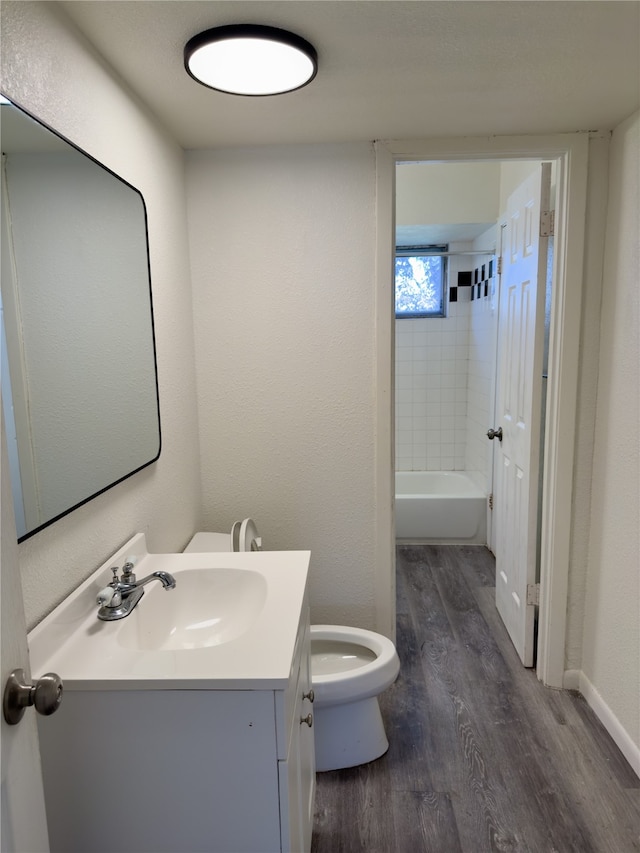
{"type": "Point", "coordinates": [79, 380]}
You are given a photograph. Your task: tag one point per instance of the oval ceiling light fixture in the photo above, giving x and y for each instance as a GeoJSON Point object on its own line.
{"type": "Point", "coordinates": [249, 59]}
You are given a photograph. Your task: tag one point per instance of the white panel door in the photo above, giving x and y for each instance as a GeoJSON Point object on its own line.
{"type": "Point", "coordinates": [519, 397]}
{"type": "Point", "coordinates": [24, 824]}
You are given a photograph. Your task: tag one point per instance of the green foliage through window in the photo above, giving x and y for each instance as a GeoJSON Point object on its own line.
{"type": "Point", "coordinates": [420, 281]}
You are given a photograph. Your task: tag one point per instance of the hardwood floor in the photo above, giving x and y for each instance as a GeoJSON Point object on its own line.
{"type": "Point", "coordinates": [482, 757]}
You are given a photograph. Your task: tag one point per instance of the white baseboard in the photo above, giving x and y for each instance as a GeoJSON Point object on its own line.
{"type": "Point", "coordinates": [571, 679]}
{"type": "Point", "coordinates": [575, 679]}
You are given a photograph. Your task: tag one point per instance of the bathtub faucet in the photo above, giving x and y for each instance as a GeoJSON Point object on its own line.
{"type": "Point", "coordinates": [118, 599]}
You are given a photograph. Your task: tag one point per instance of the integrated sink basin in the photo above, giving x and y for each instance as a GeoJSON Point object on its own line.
{"type": "Point", "coordinates": [230, 623]}
{"type": "Point", "coordinates": [208, 607]}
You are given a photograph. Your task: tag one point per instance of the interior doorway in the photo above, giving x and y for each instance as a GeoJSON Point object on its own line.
{"type": "Point", "coordinates": [569, 152]}
{"type": "Point", "coordinates": [450, 364]}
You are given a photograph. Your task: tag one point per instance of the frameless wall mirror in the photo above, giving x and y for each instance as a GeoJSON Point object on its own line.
{"type": "Point", "coordinates": [79, 378]}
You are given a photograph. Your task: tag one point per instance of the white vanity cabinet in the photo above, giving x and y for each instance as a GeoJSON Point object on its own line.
{"type": "Point", "coordinates": [183, 769]}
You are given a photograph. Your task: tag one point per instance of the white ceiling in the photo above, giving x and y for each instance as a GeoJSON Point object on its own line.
{"type": "Point", "coordinates": [388, 69]}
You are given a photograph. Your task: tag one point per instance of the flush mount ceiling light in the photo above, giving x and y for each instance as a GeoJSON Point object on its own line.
{"type": "Point", "coordinates": [248, 59]}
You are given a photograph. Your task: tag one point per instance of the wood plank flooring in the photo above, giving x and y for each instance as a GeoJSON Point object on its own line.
{"type": "Point", "coordinates": [482, 757]}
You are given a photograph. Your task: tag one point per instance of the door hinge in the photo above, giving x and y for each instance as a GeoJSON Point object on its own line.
{"type": "Point", "coordinates": [499, 265]}
{"type": "Point", "coordinates": [533, 594]}
{"type": "Point", "coordinates": [547, 223]}
{"type": "Point", "coordinates": [491, 502]}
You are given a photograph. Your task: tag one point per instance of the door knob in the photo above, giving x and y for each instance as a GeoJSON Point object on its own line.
{"type": "Point", "coordinates": [495, 433]}
{"type": "Point", "coordinates": [45, 695]}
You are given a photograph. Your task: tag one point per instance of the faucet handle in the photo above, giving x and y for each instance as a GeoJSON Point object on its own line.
{"type": "Point", "coordinates": [127, 573]}
{"type": "Point", "coordinates": [109, 597]}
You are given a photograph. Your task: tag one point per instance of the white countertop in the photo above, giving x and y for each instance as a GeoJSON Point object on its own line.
{"type": "Point", "coordinates": [87, 654]}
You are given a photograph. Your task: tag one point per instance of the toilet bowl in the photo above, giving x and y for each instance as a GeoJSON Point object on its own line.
{"type": "Point", "coordinates": [350, 667]}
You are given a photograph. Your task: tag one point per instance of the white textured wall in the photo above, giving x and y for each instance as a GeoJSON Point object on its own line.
{"type": "Point", "coordinates": [50, 70]}
{"type": "Point", "coordinates": [592, 294]}
{"type": "Point", "coordinates": [436, 193]}
{"type": "Point", "coordinates": [611, 645]}
{"type": "Point", "coordinates": [282, 247]}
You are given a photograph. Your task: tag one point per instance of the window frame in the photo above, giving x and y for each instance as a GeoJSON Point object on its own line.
{"type": "Point", "coordinates": [429, 250]}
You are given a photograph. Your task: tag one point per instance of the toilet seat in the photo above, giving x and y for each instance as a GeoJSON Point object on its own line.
{"type": "Point", "coordinates": [249, 538]}
{"type": "Point", "coordinates": [356, 683]}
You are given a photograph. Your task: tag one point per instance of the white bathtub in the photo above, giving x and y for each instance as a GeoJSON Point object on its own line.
{"type": "Point", "coordinates": [443, 506]}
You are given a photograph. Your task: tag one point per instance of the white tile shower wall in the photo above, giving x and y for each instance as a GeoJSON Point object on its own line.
{"type": "Point", "coordinates": [431, 391]}
{"type": "Point", "coordinates": [444, 375]}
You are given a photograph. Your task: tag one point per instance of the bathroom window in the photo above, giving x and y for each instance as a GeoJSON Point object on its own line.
{"type": "Point", "coordinates": [421, 275]}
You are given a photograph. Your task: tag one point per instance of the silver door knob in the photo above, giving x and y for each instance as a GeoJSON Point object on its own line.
{"type": "Point", "coordinates": [308, 720]}
{"type": "Point", "coordinates": [45, 695]}
{"type": "Point", "coordinates": [310, 695]}
{"type": "Point", "coordinates": [495, 433]}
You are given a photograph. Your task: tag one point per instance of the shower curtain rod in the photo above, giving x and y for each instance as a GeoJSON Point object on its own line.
{"type": "Point", "coordinates": [451, 254]}
{"type": "Point", "coordinates": [421, 249]}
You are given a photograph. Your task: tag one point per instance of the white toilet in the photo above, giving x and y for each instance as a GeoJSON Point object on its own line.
{"type": "Point", "coordinates": [350, 667]}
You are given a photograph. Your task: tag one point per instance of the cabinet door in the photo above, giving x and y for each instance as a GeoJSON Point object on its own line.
{"type": "Point", "coordinates": [198, 768]}
{"type": "Point", "coordinates": [290, 812]}
{"type": "Point", "coordinates": [306, 748]}
{"type": "Point", "coordinates": [297, 774]}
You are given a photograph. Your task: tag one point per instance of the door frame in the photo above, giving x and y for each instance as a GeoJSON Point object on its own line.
{"type": "Point", "coordinates": [570, 151]}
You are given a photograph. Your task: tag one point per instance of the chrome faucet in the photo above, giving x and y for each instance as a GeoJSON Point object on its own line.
{"type": "Point", "coordinates": [118, 599]}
